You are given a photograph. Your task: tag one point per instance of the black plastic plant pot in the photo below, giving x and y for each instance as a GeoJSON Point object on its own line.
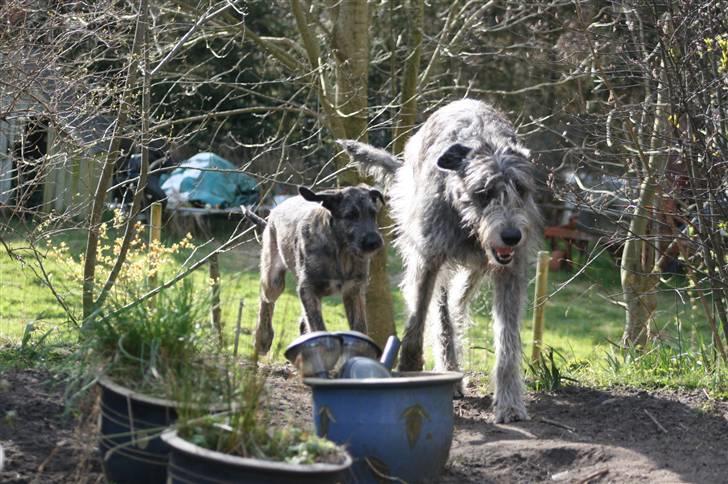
{"type": "Point", "coordinates": [131, 425]}
{"type": "Point", "coordinates": [191, 463]}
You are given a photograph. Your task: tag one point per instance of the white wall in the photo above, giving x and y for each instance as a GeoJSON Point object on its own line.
{"type": "Point", "coordinates": [7, 136]}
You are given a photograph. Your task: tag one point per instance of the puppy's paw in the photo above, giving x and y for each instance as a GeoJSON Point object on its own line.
{"type": "Point", "coordinates": [263, 341]}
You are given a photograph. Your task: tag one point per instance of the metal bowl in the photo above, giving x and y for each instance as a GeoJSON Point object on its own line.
{"type": "Point", "coordinates": [360, 367]}
{"type": "Point", "coordinates": [315, 354]}
{"type": "Point", "coordinates": [354, 344]}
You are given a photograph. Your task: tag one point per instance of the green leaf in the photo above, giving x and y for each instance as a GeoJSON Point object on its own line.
{"type": "Point", "coordinates": [414, 416]}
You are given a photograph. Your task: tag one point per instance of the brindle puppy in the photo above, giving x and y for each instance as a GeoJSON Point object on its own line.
{"type": "Point", "coordinates": [327, 240]}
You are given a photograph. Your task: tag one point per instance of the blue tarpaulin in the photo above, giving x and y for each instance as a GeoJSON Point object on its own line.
{"type": "Point", "coordinates": [208, 180]}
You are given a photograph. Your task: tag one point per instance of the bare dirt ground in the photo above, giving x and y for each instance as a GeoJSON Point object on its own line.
{"type": "Point", "coordinates": [575, 435]}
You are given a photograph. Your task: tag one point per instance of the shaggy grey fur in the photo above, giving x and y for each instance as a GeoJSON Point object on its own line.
{"type": "Point", "coordinates": [463, 206]}
{"type": "Point", "coordinates": [326, 239]}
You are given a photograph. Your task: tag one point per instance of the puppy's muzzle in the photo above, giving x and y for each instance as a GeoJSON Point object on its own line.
{"type": "Point", "coordinates": [372, 242]}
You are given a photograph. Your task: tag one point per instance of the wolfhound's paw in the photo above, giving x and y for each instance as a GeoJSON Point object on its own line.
{"type": "Point", "coordinates": [510, 413]}
{"type": "Point", "coordinates": [415, 364]}
{"type": "Point", "coordinates": [458, 390]}
{"type": "Point", "coordinates": [411, 360]}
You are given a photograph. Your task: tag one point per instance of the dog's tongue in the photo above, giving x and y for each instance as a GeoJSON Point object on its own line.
{"type": "Point", "coordinates": [504, 251]}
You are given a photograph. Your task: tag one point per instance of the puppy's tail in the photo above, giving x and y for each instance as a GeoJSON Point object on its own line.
{"type": "Point", "coordinates": [374, 161]}
{"type": "Point", "coordinates": [253, 217]}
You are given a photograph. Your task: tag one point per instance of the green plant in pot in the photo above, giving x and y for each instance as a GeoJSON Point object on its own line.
{"type": "Point", "coordinates": [242, 445]}
{"type": "Point", "coordinates": [146, 350]}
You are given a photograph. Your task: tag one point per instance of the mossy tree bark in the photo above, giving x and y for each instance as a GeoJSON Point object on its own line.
{"type": "Point", "coordinates": [638, 272]}
{"type": "Point", "coordinates": [351, 50]}
{"type": "Point", "coordinates": [342, 90]}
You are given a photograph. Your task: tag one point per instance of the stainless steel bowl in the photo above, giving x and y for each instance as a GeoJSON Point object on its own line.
{"type": "Point", "coordinates": [315, 354]}
{"type": "Point", "coordinates": [354, 344]}
{"type": "Point", "coordinates": [361, 367]}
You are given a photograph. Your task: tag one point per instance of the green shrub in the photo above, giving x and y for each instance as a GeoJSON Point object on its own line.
{"type": "Point", "coordinates": [245, 428]}
{"type": "Point", "coordinates": [152, 345]}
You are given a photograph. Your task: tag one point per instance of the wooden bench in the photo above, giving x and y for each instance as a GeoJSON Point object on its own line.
{"type": "Point", "coordinates": [572, 237]}
{"type": "Point", "coordinates": [191, 219]}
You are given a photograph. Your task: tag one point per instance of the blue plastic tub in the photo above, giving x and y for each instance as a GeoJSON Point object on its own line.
{"type": "Point", "coordinates": [397, 427]}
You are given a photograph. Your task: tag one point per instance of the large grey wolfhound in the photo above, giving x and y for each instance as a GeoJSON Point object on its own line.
{"type": "Point", "coordinates": [463, 206]}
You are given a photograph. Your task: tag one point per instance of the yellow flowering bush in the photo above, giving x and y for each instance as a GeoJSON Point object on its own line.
{"type": "Point", "coordinates": [144, 260]}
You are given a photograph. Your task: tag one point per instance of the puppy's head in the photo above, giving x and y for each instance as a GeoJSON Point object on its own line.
{"type": "Point", "coordinates": [353, 215]}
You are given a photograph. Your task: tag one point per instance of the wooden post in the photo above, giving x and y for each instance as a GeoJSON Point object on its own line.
{"type": "Point", "coordinates": [155, 223]}
{"type": "Point", "coordinates": [155, 235]}
{"type": "Point", "coordinates": [539, 302]}
{"type": "Point", "coordinates": [237, 328]}
{"type": "Point", "coordinates": [215, 311]}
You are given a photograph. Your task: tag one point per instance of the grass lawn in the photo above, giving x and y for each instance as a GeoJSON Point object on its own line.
{"type": "Point", "coordinates": [580, 319]}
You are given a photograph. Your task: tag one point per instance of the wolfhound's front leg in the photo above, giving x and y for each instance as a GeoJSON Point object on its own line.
{"type": "Point", "coordinates": [419, 284]}
{"type": "Point", "coordinates": [454, 317]}
{"type": "Point", "coordinates": [509, 294]}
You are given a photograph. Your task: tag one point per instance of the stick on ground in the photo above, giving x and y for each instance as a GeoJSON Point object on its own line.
{"type": "Point", "coordinates": [659, 425]}
{"type": "Point", "coordinates": [556, 424]}
{"type": "Point", "coordinates": [595, 475]}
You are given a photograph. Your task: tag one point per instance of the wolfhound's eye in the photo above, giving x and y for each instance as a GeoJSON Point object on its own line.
{"type": "Point", "coordinates": [520, 188]}
{"type": "Point", "coordinates": [484, 196]}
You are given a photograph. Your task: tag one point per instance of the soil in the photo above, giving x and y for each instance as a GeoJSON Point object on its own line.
{"type": "Point", "coordinates": [575, 435]}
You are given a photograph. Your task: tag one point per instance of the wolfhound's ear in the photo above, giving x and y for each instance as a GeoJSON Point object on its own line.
{"type": "Point", "coordinates": [453, 157]}
{"type": "Point", "coordinates": [377, 197]}
{"type": "Point", "coordinates": [329, 200]}
{"type": "Point", "coordinates": [307, 194]}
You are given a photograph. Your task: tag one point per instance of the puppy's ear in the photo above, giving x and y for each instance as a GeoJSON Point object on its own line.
{"type": "Point", "coordinates": [377, 198]}
{"type": "Point", "coordinates": [329, 200]}
{"type": "Point", "coordinates": [453, 157]}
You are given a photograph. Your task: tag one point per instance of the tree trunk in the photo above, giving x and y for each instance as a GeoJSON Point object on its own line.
{"type": "Point", "coordinates": [92, 241]}
{"type": "Point", "coordinates": [351, 48]}
{"type": "Point", "coordinates": [402, 131]}
{"type": "Point", "coordinates": [641, 302]}
{"type": "Point", "coordinates": [408, 112]}
{"type": "Point", "coordinates": [638, 272]}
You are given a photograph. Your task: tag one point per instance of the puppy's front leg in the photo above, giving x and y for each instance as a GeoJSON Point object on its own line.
{"type": "Point", "coordinates": [355, 306]}
{"type": "Point", "coordinates": [311, 303]}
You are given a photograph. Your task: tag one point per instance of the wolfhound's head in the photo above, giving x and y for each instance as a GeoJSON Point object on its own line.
{"type": "Point", "coordinates": [492, 188]}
